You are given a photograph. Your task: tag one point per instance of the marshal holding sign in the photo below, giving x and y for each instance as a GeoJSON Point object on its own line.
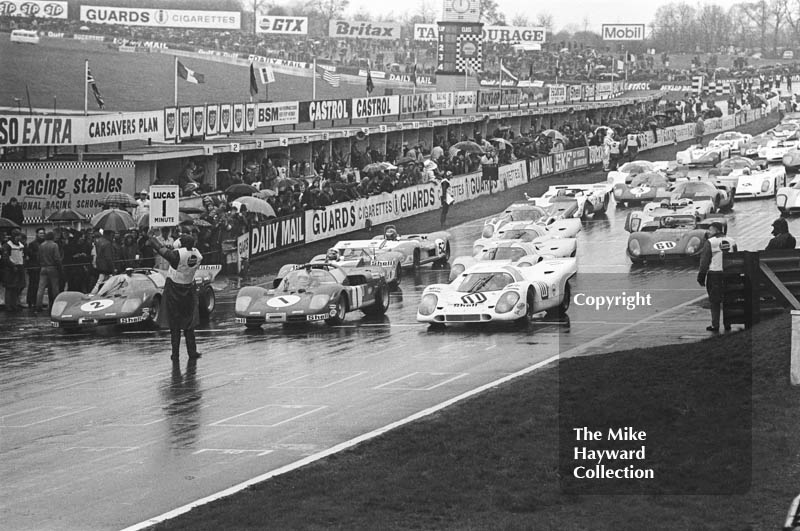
{"type": "Point", "coordinates": [164, 206]}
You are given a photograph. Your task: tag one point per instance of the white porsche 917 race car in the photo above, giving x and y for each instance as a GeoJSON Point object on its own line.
{"type": "Point", "coordinates": [775, 151]}
{"type": "Point", "coordinates": [530, 213]}
{"type": "Point", "coordinates": [528, 231]}
{"type": "Point", "coordinates": [489, 292]}
{"type": "Point", "coordinates": [575, 200]}
{"type": "Point", "coordinates": [699, 155]}
{"type": "Point", "coordinates": [516, 252]}
{"type": "Point", "coordinates": [759, 183]}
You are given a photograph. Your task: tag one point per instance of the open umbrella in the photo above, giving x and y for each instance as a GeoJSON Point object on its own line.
{"type": "Point", "coordinates": [467, 146]}
{"type": "Point", "coordinates": [197, 222]}
{"type": "Point", "coordinates": [113, 219]}
{"type": "Point", "coordinates": [603, 128]}
{"type": "Point", "coordinates": [6, 223]}
{"type": "Point", "coordinates": [501, 141]}
{"type": "Point", "coordinates": [405, 160]}
{"type": "Point", "coordinates": [555, 135]}
{"type": "Point", "coordinates": [265, 193]}
{"type": "Point", "coordinates": [521, 140]}
{"type": "Point", "coordinates": [374, 167]}
{"type": "Point", "coordinates": [119, 200]}
{"type": "Point", "coordinates": [66, 215]}
{"type": "Point", "coordinates": [240, 189]}
{"type": "Point", "coordinates": [286, 182]}
{"type": "Point", "coordinates": [259, 206]}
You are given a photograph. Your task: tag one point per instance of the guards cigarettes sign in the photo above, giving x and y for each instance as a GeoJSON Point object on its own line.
{"type": "Point", "coordinates": [171, 18]}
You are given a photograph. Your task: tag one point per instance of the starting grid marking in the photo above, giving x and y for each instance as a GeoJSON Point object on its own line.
{"type": "Point", "coordinates": [416, 381]}
{"type": "Point", "coordinates": [311, 384]}
{"type": "Point", "coordinates": [276, 411]}
{"type": "Point", "coordinates": [64, 411]}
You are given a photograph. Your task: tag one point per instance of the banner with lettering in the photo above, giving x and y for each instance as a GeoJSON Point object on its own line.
{"type": "Point", "coordinates": [276, 235]}
{"type": "Point", "coordinates": [314, 111]}
{"type": "Point", "coordinates": [33, 8]}
{"type": "Point", "coordinates": [376, 106]}
{"type": "Point", "coordinates": [44, 187]}
{"type": "Point", "coordinates": [278, 113]}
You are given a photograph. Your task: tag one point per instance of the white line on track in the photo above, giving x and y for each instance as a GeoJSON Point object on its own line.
{"type": "Point", "coordinates": [411, 418]}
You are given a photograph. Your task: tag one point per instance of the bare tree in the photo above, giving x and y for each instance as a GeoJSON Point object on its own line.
{"type": "Point", "coordinates": [490, 13]}
{"type": "Point", "coordinates": [545, 20]}
{"type": "Point", "coordinates": [777, 10]}
{"type": "Point", "coordinates": [716, 27]}
{"type": "Point", "coordinates": [427, 12]}
{"type": "Point", "coordinates": [328, 9]}
{"type": "Point", "coordinates": [757, 13]}
{"type": "Point", "coordinates": [793, 19]}
{"type": "Point", "coordinates": [520, 19]}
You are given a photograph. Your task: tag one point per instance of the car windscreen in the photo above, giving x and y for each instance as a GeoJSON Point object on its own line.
{"type": "Point", "coordinates": [636, 167]}
{"type": "Point", "coordinates": [504, 253]}
{"type": "Point", "coordinates": [483, 282]}
{"type": "Point", "coordinates": [525, 235]}
{"type": "Point", "coordinates": [123, 285]}
{"type": "Point", "coordinates": [305, 279]}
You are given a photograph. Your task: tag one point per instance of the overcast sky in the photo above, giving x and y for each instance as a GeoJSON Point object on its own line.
{"type": "Point", "coordinates": [564, 11]}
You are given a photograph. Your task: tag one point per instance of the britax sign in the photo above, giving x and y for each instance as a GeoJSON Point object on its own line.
{"type": "Point", "coordinates": [356, 29]}
{"type": "Point", "coordinates": [622, 32]}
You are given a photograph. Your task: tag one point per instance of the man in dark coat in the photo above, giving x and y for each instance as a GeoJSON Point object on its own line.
{"type": "Point", "coordinates": [104, 259]}
{"type": "Point", "coordinates": [782, 238]}
{"type": "Point", "coordinates": [13, 211]}
{"type": "Point", "coordinates": [180, 293]}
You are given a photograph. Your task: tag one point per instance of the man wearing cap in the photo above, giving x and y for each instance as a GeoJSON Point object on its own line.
{"type": "Point", "coordinates": [710, 274]}
{"type": "Point", "coordinates": [180, 293]}
{"type": "Point", "coordinates": [782, 238]}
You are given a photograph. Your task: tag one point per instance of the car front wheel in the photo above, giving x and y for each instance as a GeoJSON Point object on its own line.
{"type": "Point", "coordinates": [340, 312]}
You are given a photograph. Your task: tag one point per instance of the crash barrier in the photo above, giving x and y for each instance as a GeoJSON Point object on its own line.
{"type": "Point", "coordinates": [764, 282]}
{"type": "Point", "coordinates": [792, 522]}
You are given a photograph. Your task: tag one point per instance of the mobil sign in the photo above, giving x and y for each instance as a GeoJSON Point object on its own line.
{"type": "Point", "coordinates": [623, 32]}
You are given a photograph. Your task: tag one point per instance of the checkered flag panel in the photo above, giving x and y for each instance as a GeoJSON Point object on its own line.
{"type": "Point", "coordinates": [469, 53]}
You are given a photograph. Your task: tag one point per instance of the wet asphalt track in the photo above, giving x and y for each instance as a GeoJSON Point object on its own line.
{"type": "Point", "coordinates": [98, 432]}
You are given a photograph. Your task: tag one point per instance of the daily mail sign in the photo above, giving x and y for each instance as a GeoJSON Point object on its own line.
{"type": "Point", "coordinates": [32, 8]}
{"type": "Point", "coordinates": [282, 25]}
{"type": "Point", "coordinates": [623, 32]}
{"type": "Point", "coordinates": [170, 18]}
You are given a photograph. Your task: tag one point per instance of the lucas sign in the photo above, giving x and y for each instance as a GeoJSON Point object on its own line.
{"type": "Point", "coordinates": [623, 32]}
{"type": "Point", "coordinates": [164, 205]}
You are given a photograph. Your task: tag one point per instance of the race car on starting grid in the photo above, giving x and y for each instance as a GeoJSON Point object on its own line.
{"type": "Point", "coordinates": [718, 195]}
{"type": "Point", "coordinates": [516, 252]}
{"type": "Point", "coordinates": [575, 200]}
{"type": "Point", "coordinates": [776, 150]}
{"type": "Point", "coordinates": [729, 171]}
{"type": "Point", "coordinates": [791, 160]}
{"type": "Point", "coordinates": [488, 292]}
{"type": "Point", "coordinates": [787, 198]}
{"type": "Point", "coordinates": [625, 173]}
{"type": "Point", "coordinates": [734, 140]}
{"type": "Point", "coordinates": [786, 131]}
{"type": "Point", "coordinates": [313, 292]}
{"type": "Point", "coordinates": [670, 237]}
{"type": "Point", "coordinates": [364, 253]}
{"type": "Point", "coordinates": [757, 142]}
{"type": "Point", "coordinates": [643, 188]}
{"type": "Point", "coordinates": [530, 213]}
{"type": "Point", "coordinates": [698, 155]}
{"type": "Point", "coordinates": [417, 249]}
{"type": "Point", "coordinates": [135, 296]}
{"type": "Point", "coordinates": [667, 207]}
{"type": "Point", "coordinates": [557, 239]}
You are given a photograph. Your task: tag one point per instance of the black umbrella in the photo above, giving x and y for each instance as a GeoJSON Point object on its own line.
{"type": "Point", "coordinates": [6, 223]}
{"type": "Point", "coordinates": [239, 190]}
{"type": "Point", "coordinates": [113, 219]}
{"type": "Point", "coordinates": [119, 200]}
{"type": "Point", "coordinates": [191, 210]}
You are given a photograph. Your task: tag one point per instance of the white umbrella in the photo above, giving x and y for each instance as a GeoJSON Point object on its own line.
{"type": "Point", "coordinates": [257, 205]}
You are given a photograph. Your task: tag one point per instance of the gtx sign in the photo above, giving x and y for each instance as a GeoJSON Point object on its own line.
{"type": "Point", "coordinates": [171, 18]}
{"type": "Point", "coordinates": [623, 32]}
{"type": "Point", "coordinates": [363, 30]}
{"type": "Point", "coordinates": [282, 25]}
{"type": "Point", "coordinates": [28, 8]}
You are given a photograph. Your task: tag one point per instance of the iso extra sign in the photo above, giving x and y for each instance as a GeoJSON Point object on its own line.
{"type": "Point", "coordinates": [164, 206]}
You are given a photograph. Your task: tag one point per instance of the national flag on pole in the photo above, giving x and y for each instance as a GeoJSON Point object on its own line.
{"type": "Point", "coordinates": [98, 97]}
{"type": "Point", "coordinates": [331, 78]}
{"type": "Point", "coordinates": [253, 82]}
{"type": "Point", "coordinates": [507, 73]}
{"type": "Point", "coordinates": [697, 84]}
{"type": "Point", "coordinates": [414, 75]}
{"type": "Point", "coordinates": [190, 75]}
{"type": "Point", "coordinates": [370, 84]}
{"type": "Point", "coordinates": [267, 74]}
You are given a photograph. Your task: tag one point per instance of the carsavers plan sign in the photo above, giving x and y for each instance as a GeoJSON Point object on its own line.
{"type": "Point", "coordinates": [168, 18]}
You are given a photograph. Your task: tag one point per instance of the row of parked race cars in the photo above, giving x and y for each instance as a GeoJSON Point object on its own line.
{"type": "Point", "coordinates": [521, 265]}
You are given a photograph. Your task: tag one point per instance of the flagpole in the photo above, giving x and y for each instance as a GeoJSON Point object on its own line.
{"type": "Point", "coordinates": [175, 75]}
{"type": "Point", "coordinates": [86, 87]}
{"type": "Point", "coordinates": [501, 73]}
{"type": "Point", "coordinates": [314, 80]}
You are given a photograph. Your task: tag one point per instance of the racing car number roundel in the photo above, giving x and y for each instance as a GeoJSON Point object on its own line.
{"type": "Point", "coordinates": [640, 190]}
{"type": "Point", "coordinates": [96, 306]}
{"type": "Point", "coordinates": [663, 246]}
{"type": "Point", "coordinates": [283, 300]}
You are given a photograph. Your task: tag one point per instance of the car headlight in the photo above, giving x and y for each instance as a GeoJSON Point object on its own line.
{"type": "Point", "coordinates": [58, 308]}
{"type": "Point", "coordinates": [131, 305]}
{"type": "Point", "coordinates": [634, 248]}
{"type": "Point", "coordinates": [242, 303]}
{"type": "Point", "coordinates": [456, 270]}
{"type": "Point", "coordinates": [781, 200]}
{"type": "Point", "coordinates": [318, 302]}
{"type": "Point", "coordinates": [488, 230]}
{"type": "Point", "coordinates": [506, 302]}
{"type": "Point", "coordinates": [477, 249]}
{"type": "Point", "coordinates": [765, 186]}
{"type": "Point", "coordinates": [693, 245]}
{"type": "Point", "coordinates": [618, 189]}
{"type": "Point", "coordinates": [787, 160]}
{"type": "Point", "coordinates": [428, 304]}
